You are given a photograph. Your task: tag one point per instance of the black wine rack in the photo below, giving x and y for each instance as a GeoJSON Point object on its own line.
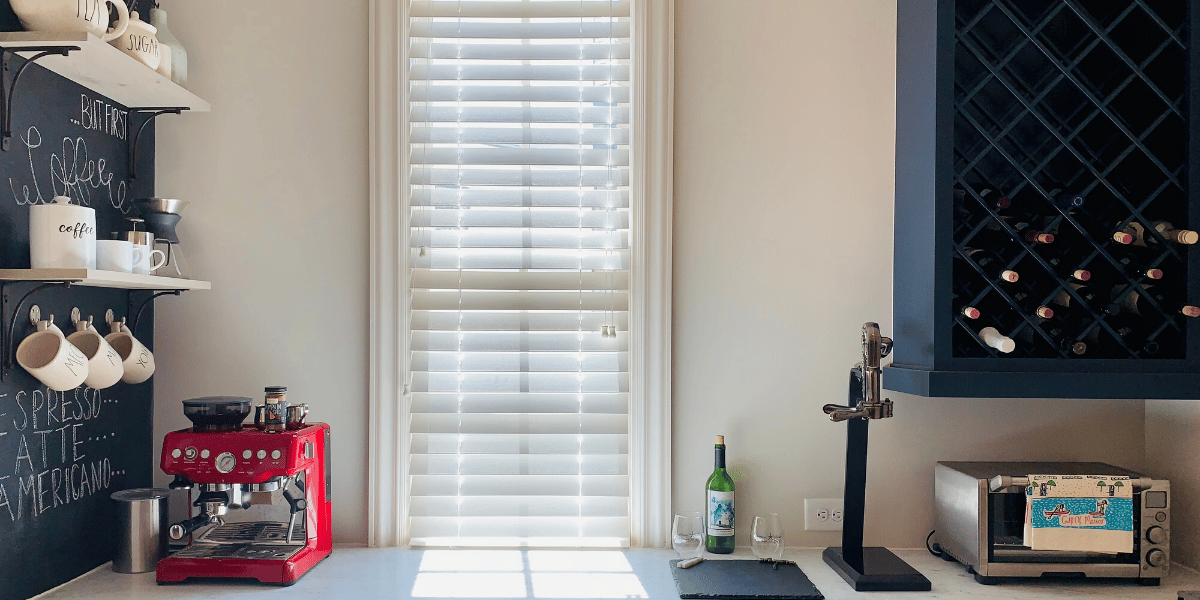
{"type": "Point", "coordinates": [1061, 100]}
{"type": "Point", "coordinates": [1072, 118]}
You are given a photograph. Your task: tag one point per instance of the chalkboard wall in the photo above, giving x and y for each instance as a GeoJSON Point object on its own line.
{"type": "Point", "coordinates": [63, 454]}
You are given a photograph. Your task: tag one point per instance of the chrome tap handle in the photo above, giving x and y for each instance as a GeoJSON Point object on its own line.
{"type": "Point", "coordinates": [865, 378]}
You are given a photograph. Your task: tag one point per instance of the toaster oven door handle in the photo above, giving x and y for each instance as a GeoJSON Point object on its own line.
{"type": "Point", "coordinates": [1000, 482]}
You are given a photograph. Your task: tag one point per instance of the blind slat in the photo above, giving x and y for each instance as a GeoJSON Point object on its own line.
{"type": "Point", "coordinates": [547, 176]}
{"type": "Point", "coordinates": [466, 9]}
{"type": "Point", "coordinates": [537, 280]}
{"type": "Point", "coordinates": [506, 506]}
{"type": "Point", "coordinates": [520, 156]}
{"type": "Point", "coordinates": [613, 404]}
{"type": "Point", "coordinates": [514, 197]}
{"type": "Point", "coordinates": [526, 443]}
{"type": "Point", "coordinates": [589, 321]}
{"type": "Point", "coordinates": [586, 116]}
{"type": "Point", "coordinates": [448, 49]}
{"type": "Point", "coordinates": [557, 135]}
{"type": "Point", "coordinates": [538, 72]}
{"type": "Point", "coordinates": [509, 30]}
{"type": "Point", "coordinates": [487, 217]}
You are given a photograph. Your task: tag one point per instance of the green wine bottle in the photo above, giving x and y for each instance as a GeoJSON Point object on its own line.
{"type": "Point", "coordinates": [718, 491]}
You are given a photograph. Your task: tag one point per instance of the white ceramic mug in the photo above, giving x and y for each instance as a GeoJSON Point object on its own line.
{"type": "Point", "coordinates": [90, 16]}
{"type": "Point", "coordinates": [143, 259]}
{"type": "Point", "coordinates": [62, 235]}
{"type": "Point", "coordinates": [49, 357]}
{"type": "Point", "coordinates": [105, 367]}
{"type": "Point", "coordinates": [137, 362]}
{"type": "Point", "coordinates": [114, 255]}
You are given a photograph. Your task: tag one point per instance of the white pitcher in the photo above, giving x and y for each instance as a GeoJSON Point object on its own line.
{"type": "Point", "coordinates": [90, 16]}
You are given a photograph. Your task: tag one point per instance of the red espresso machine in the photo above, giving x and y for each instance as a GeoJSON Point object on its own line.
{"type": "Point", "coordinates": [277, 477]}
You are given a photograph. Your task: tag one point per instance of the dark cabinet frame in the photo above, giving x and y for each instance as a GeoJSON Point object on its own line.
{"type": "Point", "coordinates": [924, 319]}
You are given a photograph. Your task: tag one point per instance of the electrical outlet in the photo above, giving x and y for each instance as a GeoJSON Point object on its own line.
{"type": "Point", "coordinates": [823, 514]}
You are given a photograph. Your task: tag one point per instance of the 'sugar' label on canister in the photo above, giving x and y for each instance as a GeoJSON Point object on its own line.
{"type": "Point", "coordinates": [720, 513]}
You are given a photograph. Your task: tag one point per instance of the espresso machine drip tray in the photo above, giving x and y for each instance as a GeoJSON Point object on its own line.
{"type": "Point", "coordinates": [259, 533]}
{"type": "Point", "coordinates": [260, 551]}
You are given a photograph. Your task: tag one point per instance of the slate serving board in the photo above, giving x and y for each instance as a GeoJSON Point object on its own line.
{"type": "Point", "coordinates": [733, 579]}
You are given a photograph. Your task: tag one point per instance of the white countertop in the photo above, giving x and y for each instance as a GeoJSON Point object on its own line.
{"type": "Point", "coordinates": [640, 573]}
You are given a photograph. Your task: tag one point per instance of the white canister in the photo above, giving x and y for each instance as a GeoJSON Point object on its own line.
{"type": "Point", "coordinates": [62, 235]}
{"type": "Point", "coordinates": [139, 41]}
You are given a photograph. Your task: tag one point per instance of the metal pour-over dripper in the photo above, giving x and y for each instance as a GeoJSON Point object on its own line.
{"type": "Point", "coordinates": [162, 216]}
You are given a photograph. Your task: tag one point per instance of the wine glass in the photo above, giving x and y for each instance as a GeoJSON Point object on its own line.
{"type": "Point", "coordinates": [767, 537]}
{"type": "Point", "coordinates": [687, 534]}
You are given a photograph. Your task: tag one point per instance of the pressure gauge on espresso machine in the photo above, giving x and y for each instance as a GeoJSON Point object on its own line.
{"type": "Point", "coordinates": [226, 462]}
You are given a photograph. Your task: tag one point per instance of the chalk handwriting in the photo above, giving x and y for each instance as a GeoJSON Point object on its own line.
{"type": "Point", "coordinates": [98, 115]}
{"type": "Point", "coordinates": [72, 174]}
{"type": "Point", "coordinates": [51, 463]}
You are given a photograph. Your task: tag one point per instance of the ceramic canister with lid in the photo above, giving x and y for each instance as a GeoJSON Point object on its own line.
{"type": "Point", "coordinates": [139, 41]}
{"type": "Point", "coordinates": [62, 235]}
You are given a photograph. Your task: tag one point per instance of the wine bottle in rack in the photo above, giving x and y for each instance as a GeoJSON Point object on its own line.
{"type": "Point", "coordinates": [992, 337]}
{"type": "Point", "coordinates": [1032, 305]}
{"type": "Point", "coordinates": [1059, 338]}
{"type": "Point", "coordinates": [1069, 270]}
{"type": "Point", "coordinates": [990, 263]}
{"type": "Point", "coordinates": [1024, 228]}
{"type": "Point", "coordinates": [1134, 264]}
{"type": "Point", "coordinates": [1136, 338]}
{"type": "Point", "coordinates": [1128, 233]}
{"type": "Point", "coordinates": [719, 515]}
{"type": "Point", "coordinates": [992, 238]}
{"type": "Point", "coordinates": [1171, 234]}
{"type": "Point", "coordinates": [961, 300]}
{"type": "Point", "coordinates": [1095, 299]}
{"type": "Point", "coordinates": [1171, 299]}
{"type": "Point", "coordinates": [966, 203]}
{"type": "Point", "coordinates": [1067, 202]}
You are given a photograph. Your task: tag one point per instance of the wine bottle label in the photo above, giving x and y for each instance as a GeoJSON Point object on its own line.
{"type": "Point", "coordinates": [720, 513]}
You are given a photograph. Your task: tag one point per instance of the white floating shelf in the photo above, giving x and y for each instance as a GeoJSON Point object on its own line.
{"type": "Point", "coordinates": [106, 279]}
{"type": "Point", "coordinates": [105, 70]}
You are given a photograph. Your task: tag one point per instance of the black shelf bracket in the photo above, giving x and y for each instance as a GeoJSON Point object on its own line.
{"type": "Point", "coordinates": [134, 139]}
{"type": "Point", "coordinates": [8, 329]}
{"type": "Point", "coordinates": [7, 91]}
{"type": "Point", "coordinates": [137, 315]}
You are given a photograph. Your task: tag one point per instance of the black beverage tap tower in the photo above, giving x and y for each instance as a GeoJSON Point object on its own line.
{"type": "Point", "coordinates": [866, 569]}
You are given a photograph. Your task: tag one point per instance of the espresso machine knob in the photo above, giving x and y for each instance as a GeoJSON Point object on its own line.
{"type": "Point", "coordinates": [1156, 535]}
{"type": "Point", "coordinates": [180, 483]}
{"type": "Point", "coordinates": [226, 462]}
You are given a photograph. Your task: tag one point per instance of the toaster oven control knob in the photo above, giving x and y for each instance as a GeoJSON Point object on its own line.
{"type": "Point", "coordinates": [226, 462]}
{"type": "Point", "coordinates": [1156, 535]}
{"type": "Point", "coordinates": [1156, 558]}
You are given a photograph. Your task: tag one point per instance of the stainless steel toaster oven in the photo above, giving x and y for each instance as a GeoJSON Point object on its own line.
{"type": "Point", "coordinates": [979, 520]}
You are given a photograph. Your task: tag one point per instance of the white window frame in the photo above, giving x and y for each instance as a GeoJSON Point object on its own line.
{"type": "Point", "coordinates": [651, 123]}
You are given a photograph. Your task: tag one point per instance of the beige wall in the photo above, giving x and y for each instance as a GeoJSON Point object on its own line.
{"type": "Point", "coordinates": [784, 150]}
{"type": "Point", "coordinates": [784, 117]}
{"type": "Point", "coordinates": [1173, 452]}
{"type": "Point", "coordinates": [277, 176]}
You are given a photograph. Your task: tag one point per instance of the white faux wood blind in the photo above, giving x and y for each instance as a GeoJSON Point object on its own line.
{"type": "Point", "coordinates": [518, 399]}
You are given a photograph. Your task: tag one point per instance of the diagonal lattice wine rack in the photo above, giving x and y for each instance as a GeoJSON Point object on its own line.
{"type": "Point", "coordinates": [1073, 110]}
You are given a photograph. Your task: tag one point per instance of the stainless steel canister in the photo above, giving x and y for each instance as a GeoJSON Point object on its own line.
{"type": "Point", "coordinates": [141, 529]}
